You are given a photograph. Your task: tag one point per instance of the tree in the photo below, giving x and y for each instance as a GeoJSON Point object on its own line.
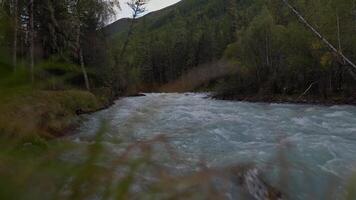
{"type": "Point", "coordinates": [32, 39]}
{"type": "Point", "coordinates": [137, 7]}
{"type": "Point", "coordinates": [15, 24]}
{"type": "Point", "coordinates": [319, 35]}
{"type": "Point", "coordinates": [54, 29]}
{"type": "Point", "coordinates": [78, 45]}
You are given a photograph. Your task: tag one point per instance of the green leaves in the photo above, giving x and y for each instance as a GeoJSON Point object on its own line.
{"type": "Point", "coordinates": [279, 54]}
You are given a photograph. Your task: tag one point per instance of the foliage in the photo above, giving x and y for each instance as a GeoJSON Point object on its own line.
{"type": "Point", "coordinates": [65, 33]}
{"type": "Point", "coordinates": [277, 55]}
{"type": "Point", "coordinates": [274, 52]}
{"type": "Point", "coordinates": [166, 44]}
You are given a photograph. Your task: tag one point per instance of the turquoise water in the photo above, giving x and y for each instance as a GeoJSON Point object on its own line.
{"type": "Point", "coordinates": [315, 144]}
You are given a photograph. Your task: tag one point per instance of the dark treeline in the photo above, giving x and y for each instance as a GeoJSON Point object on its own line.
{"type": "Point", "coordinates": [273, 51]}
{"type": "Point", "coordinates": [56, 42]}
{"type": "Point", "coordinates": [61, 45]}
{"type": "Point", "coordinates": [54, 64]}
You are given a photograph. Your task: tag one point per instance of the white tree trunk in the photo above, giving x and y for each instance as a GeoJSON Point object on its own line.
{"type": "Point", "coordinates": [81, 58]}
{"type": "Point", "coordinates": [79, 48]}
{"type": "Point", "coordinates": [14, 53]}
{"type": "Point", "coordinates": [84, 71]}
{"type": "Point", "coordinates": [307, 90]}
{"type": "Point", "coordinates": [338, 31]}
{"type": "Point", "coordinates": [267, 50]}
{"type": "Point", "coordinates": [339, 35]}
{"type": "Point", "coordinates": [32, 41]}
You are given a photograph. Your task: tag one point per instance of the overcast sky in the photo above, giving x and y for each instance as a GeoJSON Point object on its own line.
{"type": "Point", "coordinates": [151, 6]}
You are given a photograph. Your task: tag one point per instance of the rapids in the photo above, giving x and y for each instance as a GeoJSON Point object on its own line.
{"type": "Point", "coordinates": [317, 144]}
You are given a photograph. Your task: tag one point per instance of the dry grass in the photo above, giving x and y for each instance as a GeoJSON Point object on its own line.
{"type": "Point", "coordinates": [45, 113]}
{"type": "Point", "coordinates": [199, 76]}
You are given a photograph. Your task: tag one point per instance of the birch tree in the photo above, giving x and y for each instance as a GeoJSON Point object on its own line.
{"type": "Point", "coordinates": [137, 8]}
{"type": "Point", "coordinates": [79, 49]}
{"type": "Point", "coordinates": [15, 24]}
{"type": "Point", "coordinates": [87, 14]}
{"type": "Point", "coordinates": [319, 35]}
{"type": "Point", "coordinates": [32, 39]}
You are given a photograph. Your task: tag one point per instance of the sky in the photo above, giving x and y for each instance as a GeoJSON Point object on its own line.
{"type": "Point", "coordinates": [151, 6]}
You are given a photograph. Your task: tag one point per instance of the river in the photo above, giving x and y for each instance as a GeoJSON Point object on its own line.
{"type": "Point", "coordinates": [316, 143]}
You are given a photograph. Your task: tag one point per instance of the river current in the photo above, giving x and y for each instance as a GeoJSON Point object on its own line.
{"type": "Point", "coordinates": [316, 143]}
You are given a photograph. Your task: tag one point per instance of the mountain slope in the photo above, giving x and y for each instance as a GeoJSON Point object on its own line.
{"type": "Point", "coordinates": [273, 52]}
{"type": "Point", "coordinates": [169, 42]}
{"type": "Point", "coordinates": [117, 27]}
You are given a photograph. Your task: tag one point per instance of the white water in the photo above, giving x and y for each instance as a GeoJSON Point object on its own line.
{"type": "Point", "coordinates": [318, 142]}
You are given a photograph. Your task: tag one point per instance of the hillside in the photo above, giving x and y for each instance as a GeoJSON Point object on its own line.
{"type": "Point", "coordinates": [169, 42]}
{"type": "Point", "coordinates": [117, 27]}
{"type": "Point", "coordinates": [122, 25]}
{"type": "Point", "coordinates": [274, 52]}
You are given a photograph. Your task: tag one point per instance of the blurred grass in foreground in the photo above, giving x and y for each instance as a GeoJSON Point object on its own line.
{"type": "Point", "coordinates": [37, 171]}
{"type": "Point", "coordinates": [40, 170]}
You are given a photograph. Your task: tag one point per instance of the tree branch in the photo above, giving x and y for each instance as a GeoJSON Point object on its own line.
{"type": "Point", "coordinates": [302, 19]}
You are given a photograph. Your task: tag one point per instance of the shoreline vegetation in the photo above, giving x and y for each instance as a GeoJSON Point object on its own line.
{"type": "Point", "coordinates": [253, 51]}
{"type": "Point", "coordinates": [56, 112]}
{"type": "Point", "coordinates": [290, 99]}
{"type": "Point", "coordinates": [48, 114]}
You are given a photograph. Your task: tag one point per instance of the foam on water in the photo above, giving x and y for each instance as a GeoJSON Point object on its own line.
{"type": "Point", "coordinates": [318, 141]}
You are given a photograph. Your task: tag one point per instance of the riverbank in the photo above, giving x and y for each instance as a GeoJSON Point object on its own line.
{"type": "Point", "coordinates": [47, 114]}
{"type": "Point", "coordinates": [316, 100]}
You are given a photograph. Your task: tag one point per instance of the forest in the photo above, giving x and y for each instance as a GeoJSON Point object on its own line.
{"type": "Point", "coordinates": [271, 50]}
{"type": "Point", "coordinates": [86, 100]}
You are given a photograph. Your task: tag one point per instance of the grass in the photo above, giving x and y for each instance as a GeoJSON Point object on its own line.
{"type": "Point", "coordinates": [45, 113]}
{"type": "Point", "coordinates": [29, 110]}
{"type": "Point", "coordinates": [199, 77]}
{"type": "Point", "coordinates": [33, 167]}
{"type": "Point", "coordinates": [33, 171]}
